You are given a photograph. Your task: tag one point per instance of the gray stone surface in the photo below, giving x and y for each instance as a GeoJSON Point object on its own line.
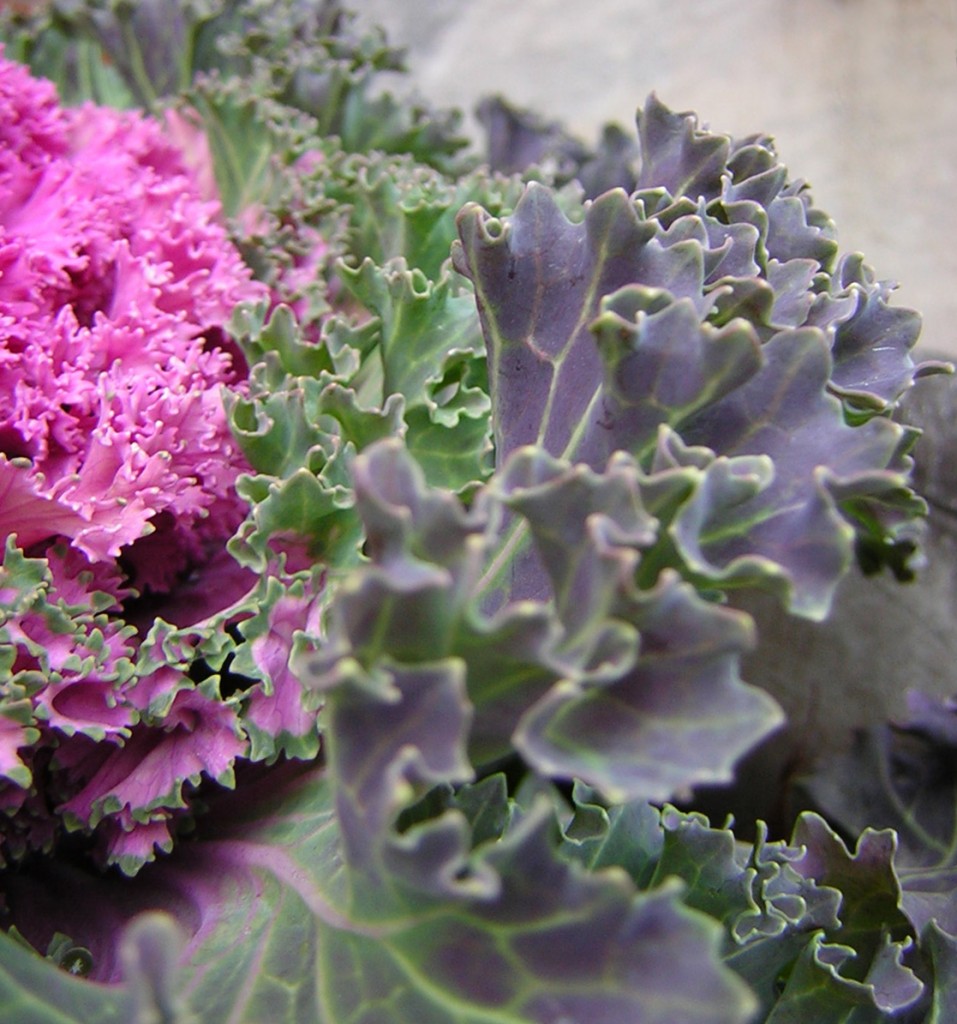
{"type": "Point", "coordinates": [861, 96]}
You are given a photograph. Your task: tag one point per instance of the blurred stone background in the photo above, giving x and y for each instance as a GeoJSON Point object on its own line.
{"type": "Point", "coordinates": [860, 95]}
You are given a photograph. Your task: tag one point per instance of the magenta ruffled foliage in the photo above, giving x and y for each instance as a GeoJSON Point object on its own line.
{"type": "Point", "coordinates": [117, 483]}
{"type": "Point", "coordinates": [116, 278]}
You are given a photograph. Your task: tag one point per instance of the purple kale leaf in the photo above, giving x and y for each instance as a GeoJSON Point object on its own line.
{"type": "Point", "coordinates": [706, 308]}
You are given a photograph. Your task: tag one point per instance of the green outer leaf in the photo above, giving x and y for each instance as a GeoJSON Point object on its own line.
{"type": "Point", "coordinates": [285, 926]}
{"type": "Point", "coordinates": [942, 950]}
{"type": "Point", "coordinates": [422, 323]}
{"type": "Point", "coordinates": [33, 991]}
{"type": "Point", "coordinates": [866, 877]}
{"type": "Point", "coordinates": [816, 991]}
{"type": "Point", "coordinates": [900, 777]}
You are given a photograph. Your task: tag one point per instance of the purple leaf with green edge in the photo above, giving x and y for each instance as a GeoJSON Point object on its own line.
{"type": "Point", "coordinates": [513, 660]}
{"type": "Point", "coordinates": [621, 942]}
{"type": "Point", "coordinates": [418, 599]}
{"type": "Point", "coordinates": [554, 677]}
{"type": "Point", "coordinates": [539, 280]}
{"type": "Point", "coordinates": [147, 777]}
{"type": "Point", "coordinates": [796, 231]}
{"type": "Point", "coordinates": [665, 715]}
{"type": "Point", "coordinates": [768, 937]}
{"type": "Point", "coordinates": [517, 139]}
{"type": "Point", "coordinates": [650, 960]}
{"type": "Point", "coordinates": [67, 666]}
{"type": "Point", "coordinates": [410, 731]}
{"type": "Point", "coordinates": [901, 777]}
{"type": "Point", "coordinates": [757, 192]}
{"type": "Point", "coordinates": [871, 907]}
{"type": "Point", "coordinates": [425, 550]}
{"type": "Point", "coordinates": [871, 347]}
{"type": "Point", "coordinates": [743, 176]}
{"type": "Point", "coordinates": [818, 990]}
{"type": "Point", "coordinates": [677, 155]}
{"type": "Point", "coordinates": [680, 716]}
{"type": "Point", "coordinates": [544, 285]}
{"type": "Point", "coordinates": [739, 188]}
{"type": "Point", "coordinates": [784, 526]}
{"type": "Point", "coordinates": [729, 250]}
{"type": "Point", "coordinates": [248, 645]}
{"type": "Point", "coordinates": [588, 529]}
{"type": "Point", "coordinates": [662, 364]}
{"type": "Point", "coordinates": [386, 749]}
{"type": "Point", "coordinates": [119, 736]}
{"type": "Point", "coordinates": [793, 283]}
{"type": "Point", "coordinates": [16, 732]}
{"type": "Point", "coordinates": [50, 633]}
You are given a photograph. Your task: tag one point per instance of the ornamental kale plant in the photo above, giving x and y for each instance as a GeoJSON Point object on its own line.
{"type": "Point", "coordinates": [375, 522]}
{"type": "Point", "coordinates": [117, 468]}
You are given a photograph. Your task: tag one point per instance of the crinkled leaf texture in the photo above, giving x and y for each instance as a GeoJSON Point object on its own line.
{"type": "Point", "coordinates": [303, 903]}
{"type": "Point", "coordinates": [352, 904]}
{"type": "Point", "coordinates": [901, 777]}
{"type": "Point", "coordinates": [312, 56]}
{"type": "Point", "coordinates": [634, 691]}
{"type": "Point", "coordinates": [816, 930]}
{"type": "Point", "coordinates": [481, 908]}
{"type": "Point", "coordinates": [685, 394]}
{"type": "Point", "coordinates": [701, 323]}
